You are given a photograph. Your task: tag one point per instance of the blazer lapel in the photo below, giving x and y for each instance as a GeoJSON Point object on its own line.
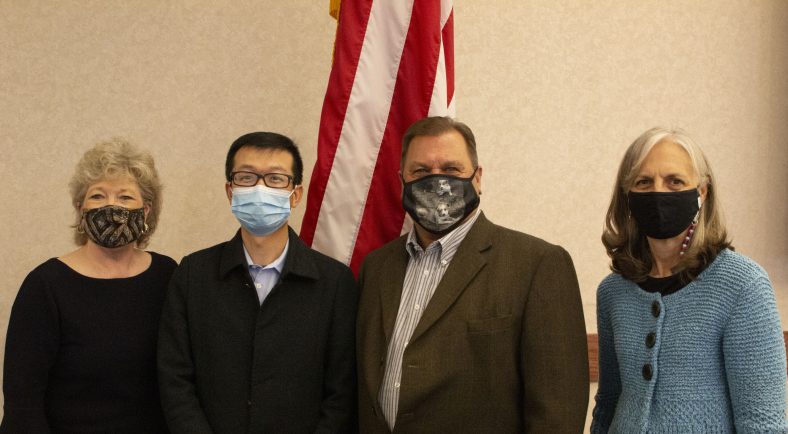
{"type": "Point", "coordinates": [391, 290]}
{"type": "Point", "coordinates": [466, 264]}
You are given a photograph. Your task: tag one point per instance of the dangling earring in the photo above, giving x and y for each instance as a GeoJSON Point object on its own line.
{"type": "Point", "coordinates": [688, 237]}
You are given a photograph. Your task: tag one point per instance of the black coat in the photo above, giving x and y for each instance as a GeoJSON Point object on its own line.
{"type": "Point", "coordinates": [229, 365]}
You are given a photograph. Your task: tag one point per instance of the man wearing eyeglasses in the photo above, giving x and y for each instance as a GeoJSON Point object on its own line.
{"type": "Point", "coordinates": [257, 333]}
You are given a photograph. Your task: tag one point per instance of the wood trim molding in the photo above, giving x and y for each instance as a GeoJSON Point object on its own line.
{"type": "Point", "coordinates": [593, 354]}
{"type": "Point", "coordinates": [593, 357]}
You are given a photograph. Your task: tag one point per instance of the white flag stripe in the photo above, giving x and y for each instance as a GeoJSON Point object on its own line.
{"type": "Point", "coordinates": [446, 8]}
{"type": "Point", "coordinates": [362, 131]}
{"type": "Point", "coordinates": [439, 91]}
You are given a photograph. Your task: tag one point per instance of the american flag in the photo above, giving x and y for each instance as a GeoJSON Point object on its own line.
{"type": "Point", "coordinates": [393, 65]}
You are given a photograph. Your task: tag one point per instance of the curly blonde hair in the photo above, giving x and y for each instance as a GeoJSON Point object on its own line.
{"type": "Point", "coordinates": [628, 248]}
{"type": "Point", "coordinates": [117, 158]}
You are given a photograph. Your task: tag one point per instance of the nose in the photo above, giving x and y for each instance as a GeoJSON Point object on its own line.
{"type": "Point", "coordinates": [661, 186]}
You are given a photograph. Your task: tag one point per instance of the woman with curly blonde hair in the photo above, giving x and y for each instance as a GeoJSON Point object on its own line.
{"type": "Point", "coordinates": [81, 345]}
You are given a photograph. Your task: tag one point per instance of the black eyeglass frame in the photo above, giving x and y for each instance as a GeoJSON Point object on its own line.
{"type": "Point", "coordinates": [259, 177]}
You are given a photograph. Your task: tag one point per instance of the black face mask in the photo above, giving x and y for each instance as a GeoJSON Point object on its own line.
{"type": "Point", "coordinates": [113, 226]}
{"type": "Point", "coordinates": [439, 203]}
{"type": "Point", "coordinates": [664, 215]}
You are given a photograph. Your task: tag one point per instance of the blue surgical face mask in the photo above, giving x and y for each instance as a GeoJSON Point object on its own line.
{"type": "Point", "coordinates": [260, 209]}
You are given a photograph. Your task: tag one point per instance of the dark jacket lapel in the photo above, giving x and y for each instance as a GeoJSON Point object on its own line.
{"type": "Point", "coordinates": [466, 264]}
{"type": "Point", "coordinates": [391, 290]}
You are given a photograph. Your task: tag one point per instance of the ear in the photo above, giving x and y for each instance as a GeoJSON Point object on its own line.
{"type": "Point", "coordinates": [146, 210]}
{"type": "Point", "coordinates": [295, 198]}
{"type": "Point", "coordinates": [228, 188]}
{"type": "Point", "coordinates": [477, 180]}
{"type": "Point", "coordinates": [703, 190]}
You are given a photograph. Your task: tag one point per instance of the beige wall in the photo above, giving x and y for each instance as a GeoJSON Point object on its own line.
{"type": "Point", "coordinates": [554, 91]}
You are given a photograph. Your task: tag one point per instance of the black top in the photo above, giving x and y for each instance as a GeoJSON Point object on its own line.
{"type": "Point", "coordinates": [81, 352]}
{"type": "Point", "coordinates": [663, 285]}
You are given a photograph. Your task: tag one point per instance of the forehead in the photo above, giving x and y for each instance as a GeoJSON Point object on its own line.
{"type": "Point", "coordinates": [117, 183]}
{"type": "Point", "coordinates": [256, 159]}
{"type": "Point", "coordinates": [447, 146]}
{"type": "Point", "coordinates": [666, 157]}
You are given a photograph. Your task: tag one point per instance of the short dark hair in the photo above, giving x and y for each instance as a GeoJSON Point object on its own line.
{"type": "Point", "coordinates": [266, 140]}
{"type": "Point", "coordinates": [435, 126]}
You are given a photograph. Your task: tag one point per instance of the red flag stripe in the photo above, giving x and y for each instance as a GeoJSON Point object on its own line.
{"type": "Point", "coordinates": [383, 214]}
{"type": "Point", "coordinates": [363, 128]}
{"type": "Point", "coordinates": [402, 71]}
{"type": "Point", "coordinates": [354, 16]}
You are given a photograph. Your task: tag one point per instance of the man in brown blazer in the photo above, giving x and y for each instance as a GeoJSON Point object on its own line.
{"type": "Point", "coordinates": [463, 325]}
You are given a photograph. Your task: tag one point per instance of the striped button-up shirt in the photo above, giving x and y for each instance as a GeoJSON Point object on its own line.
{"type": "Point", "coordinates": [425, 270]}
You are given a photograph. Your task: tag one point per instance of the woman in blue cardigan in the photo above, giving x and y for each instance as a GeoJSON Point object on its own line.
{"type": "Point", "coordinates": [689, 334]}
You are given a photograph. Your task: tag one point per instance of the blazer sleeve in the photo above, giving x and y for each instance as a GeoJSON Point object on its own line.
{"type": "Point", "coordinates": [31, 350]}
{"type": "Point", "coordinates": [175, 364]}
{"type": "Point", "coordinates": [554, 349]}
{"type": "Point", "coordinates": [609, 378]}
{"type": "Point", "coordinates": [338, 409]}
{"type": "Point", "coordinates": [754, 355]}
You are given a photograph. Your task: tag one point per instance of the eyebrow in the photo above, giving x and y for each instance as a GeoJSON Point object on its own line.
{"type": "Point", "coordinates": [669, 175]}
{"type": "Point", "coordinates": [127, 191]}
{"type": "Point", "coordinates": [457, 163]}
{"type": "Point", "coordinates": [249, 168]}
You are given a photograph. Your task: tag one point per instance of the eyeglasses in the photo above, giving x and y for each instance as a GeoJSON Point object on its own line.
{"type": "Point", "coordinates": [250, 179]}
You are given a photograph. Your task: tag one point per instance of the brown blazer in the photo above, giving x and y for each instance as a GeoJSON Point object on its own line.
{"type": "Point", "coordinates": [500, 348]}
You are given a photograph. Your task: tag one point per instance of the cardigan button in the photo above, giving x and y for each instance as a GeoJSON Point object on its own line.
{"type": "Point", "coordinates": [648, 371]}
{"type": "Point", "coordinates": [655, 309]}
{"type": "Point", "coordinates": [651, 339]}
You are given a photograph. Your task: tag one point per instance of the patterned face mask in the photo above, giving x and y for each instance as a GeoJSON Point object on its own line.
{"type": "Point", "coordinates": [440, 203]}
{"type": "Point", "coordinates": [113, 226]}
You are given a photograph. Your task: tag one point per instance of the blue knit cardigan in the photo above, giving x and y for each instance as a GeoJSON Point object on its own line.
{"type": "Point", "coordinates": [709, 358]}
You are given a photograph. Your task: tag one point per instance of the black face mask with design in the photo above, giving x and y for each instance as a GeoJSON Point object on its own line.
{"type": "Point", "coordinates": [439, 203]}
{"type": "Point", "coordinates": [113, 226]}
{"type": "Point", "coordinates": [663, 215]}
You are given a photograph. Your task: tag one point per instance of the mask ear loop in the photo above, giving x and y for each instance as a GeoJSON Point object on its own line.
{"type": "Point", "coordinates": [81, 225]}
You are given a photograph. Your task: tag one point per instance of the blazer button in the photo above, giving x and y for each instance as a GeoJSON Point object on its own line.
{"type": "Point", "coordinates": [655, 309]}
{"type": "Point", "coordinates": [648, 371]}
{"type": "Point", "coordinates": [651, 339]}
